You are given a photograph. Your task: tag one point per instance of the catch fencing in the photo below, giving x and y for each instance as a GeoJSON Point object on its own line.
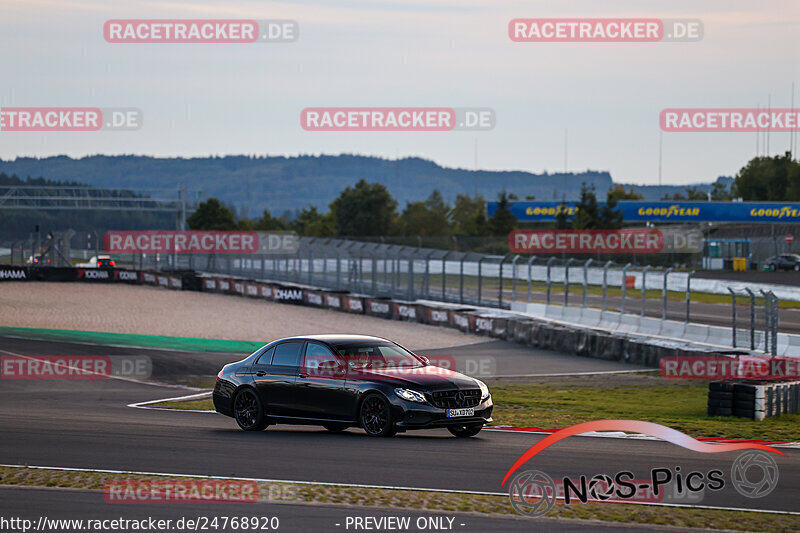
{"type": "Point", "coordinates": [468, 278]}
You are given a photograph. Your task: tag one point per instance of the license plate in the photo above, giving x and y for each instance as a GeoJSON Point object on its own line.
{"type": "Point", "coordinates": [460, 412]}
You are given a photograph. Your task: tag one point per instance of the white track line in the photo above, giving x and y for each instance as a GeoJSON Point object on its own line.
{"type": "Point", "coordinates": [365, 486]}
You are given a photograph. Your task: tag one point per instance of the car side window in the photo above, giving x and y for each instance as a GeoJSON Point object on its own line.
{"type": "Point", "coordinates": [266, 357]}
{"type": "Point", "coordinates": [287, 354]}
{"type": "Point", "coordinates": [319, 355]}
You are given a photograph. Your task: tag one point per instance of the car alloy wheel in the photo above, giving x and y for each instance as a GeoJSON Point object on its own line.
{"type": "Point", "coordinates": [376, 418]}
{"type": "Point", "coordinates": [465, 431]}
{"type": "Point", "coordinates": [248, 411]}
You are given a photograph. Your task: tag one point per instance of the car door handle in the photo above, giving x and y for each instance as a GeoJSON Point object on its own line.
{"type": "Point", "coordinates": [261, 373]}
{"type": "Point", "coordinates": [302, 375]}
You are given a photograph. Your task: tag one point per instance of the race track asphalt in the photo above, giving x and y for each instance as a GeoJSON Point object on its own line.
{"type": "Point", "coordinates": [87, 424]}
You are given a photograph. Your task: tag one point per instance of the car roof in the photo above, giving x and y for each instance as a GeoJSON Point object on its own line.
{"type": "Point", "coordinates": [335, 338]}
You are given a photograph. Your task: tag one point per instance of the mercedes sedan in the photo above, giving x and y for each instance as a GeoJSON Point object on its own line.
{"type": "Point", "coordinates": [342, 381]}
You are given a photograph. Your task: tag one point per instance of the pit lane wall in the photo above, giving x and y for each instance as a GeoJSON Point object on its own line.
{"type": "Point", "coordinates": [566, 334]}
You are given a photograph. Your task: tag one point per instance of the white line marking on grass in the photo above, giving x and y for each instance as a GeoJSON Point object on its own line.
{"type": "Point", "coordinates": [144, 405]}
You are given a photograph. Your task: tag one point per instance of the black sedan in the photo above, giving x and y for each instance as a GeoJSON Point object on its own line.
{"type": "Point", "coordinates": [341, 381]}
{"type": "Point", "coordinates": [784, 262]}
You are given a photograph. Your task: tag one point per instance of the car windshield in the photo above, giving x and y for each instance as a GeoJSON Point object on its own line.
{"type": "Point", "coordinates": [376, 355]}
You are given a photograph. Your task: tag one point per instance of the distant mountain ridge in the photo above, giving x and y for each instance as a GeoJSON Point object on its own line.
{"type": "Point", "coordinates": [255, 183]}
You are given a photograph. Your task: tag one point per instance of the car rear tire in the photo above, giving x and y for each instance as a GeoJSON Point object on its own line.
{"type": "Point", "coordinates": [335, 428]}
{"type": "Point", "coordinates": [248, 411]}
{"type": "Point", "coordinates": [464, 432]}
{"type": "Point", "coordinates": [375, 416]}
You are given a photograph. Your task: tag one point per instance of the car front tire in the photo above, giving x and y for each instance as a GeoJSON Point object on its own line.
{"type": "Point", "coordinates": [375, 416]}
{"type": "Point", "coordinates": [248, 411]}
{"type": "Point", "coordinates": [464, 432]}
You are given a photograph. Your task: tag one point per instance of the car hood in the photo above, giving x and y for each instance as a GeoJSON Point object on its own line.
{"type": "Point", "coordinates": [427, 377]}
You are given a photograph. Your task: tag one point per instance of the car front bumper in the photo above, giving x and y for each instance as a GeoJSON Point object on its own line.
{"type": "Point", "coordinates": [414, 415]}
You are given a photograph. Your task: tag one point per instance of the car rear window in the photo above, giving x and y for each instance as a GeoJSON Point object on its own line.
{"type": "Point", "coordinates": [287, 354]}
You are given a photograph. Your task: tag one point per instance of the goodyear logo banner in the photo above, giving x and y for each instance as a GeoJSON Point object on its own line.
{"type": "Point", "coordinates": [668, 211]}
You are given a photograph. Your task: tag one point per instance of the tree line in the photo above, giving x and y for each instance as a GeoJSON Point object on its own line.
{"type": "Point", "coordinates": [368, 209]}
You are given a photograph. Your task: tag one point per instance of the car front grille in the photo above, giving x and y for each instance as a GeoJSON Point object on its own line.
{"type": "Point", "coordinates": [455, 399]}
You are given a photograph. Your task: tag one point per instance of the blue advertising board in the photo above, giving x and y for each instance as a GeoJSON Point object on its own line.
{"type": "Point", "coordinates": [676, 211]}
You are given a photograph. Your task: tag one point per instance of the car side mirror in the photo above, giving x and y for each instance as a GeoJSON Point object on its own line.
{"type": "Point", "coordinates": [424, 359]}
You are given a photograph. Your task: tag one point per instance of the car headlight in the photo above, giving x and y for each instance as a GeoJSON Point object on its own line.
{"type": "Point", "coordinates": [484, 389]}
{"type": "Point", "coordinates": [410, 395]}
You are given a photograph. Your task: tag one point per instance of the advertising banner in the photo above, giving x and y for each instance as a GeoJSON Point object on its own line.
{"type": "Point", "coordinates": [677, 211]}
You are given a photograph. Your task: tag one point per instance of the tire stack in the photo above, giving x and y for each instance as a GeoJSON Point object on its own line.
{"type": "Point", "coordinates": [720, 398]}
{"type": "Point", "coordinates": [745, 402]}
{"type": "Point", "coordinates": [753, 400]}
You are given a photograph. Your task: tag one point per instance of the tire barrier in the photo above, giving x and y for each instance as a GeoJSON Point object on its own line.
{"type": "Point", "coordinates": [406, 311]}
{"type": "Point", "coordinates": [525, 330]}
{"type": "Point", "coordinates": [333, 300]}
{"type": "Point", "coordinates": [354, 304]}
{"type": "Point", "coordinates": [380, 307]}
{"type": "Point", "coordinates": [315, 298]}
{"type": "Point", "coordinates": [753, 400]}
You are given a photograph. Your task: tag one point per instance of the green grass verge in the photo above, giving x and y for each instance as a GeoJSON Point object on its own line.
{"type": "Point", "coordinates": [680, 405]}
{"type": "Point", "coordinates": [186, 344]}
{"type": "Point", "coordinates": [435, 501]}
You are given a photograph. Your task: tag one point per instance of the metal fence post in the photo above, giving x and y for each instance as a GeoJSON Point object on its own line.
{"type": "Point", "coordinates": [374, 276]}
{"type": "Point", "coordinates": [775, 323]}
{"type": "Point", "coordinates": [444, 279]}
{"type": "Point", "coordinates": [394, 278]}
{"type": "Point", "coordinates": [733, 316]}
{"type": "Point", "coordinates": [310, 266]}
{"type": "Point", "coordinates": [605, 283]}
{"type": "Point", "coordinates": [411, 279]}
{"type": "Point", "coordinates": [566, 281]}
{"type": "Point", "coordinates": [644, 287]}
{"type": "Point", "coordinates": [338, 270]}
{"type": "Point", "coordinates": [514, 278]}
{"type": "Point", "coordinates": [480, 266]}
{"type": "Point", "coordinates": [531, 260]}
{"type": "Point", "coordinates": [624, 286]}
{"type": "Point", "coordinates": [689, 294]}
{"type": "Point", "coordinates": [549, 264]}
{"type": "Point", "coordinates": [752, 318]}
{"type": "Point", "coordinates": [767, 321]}
{"type": "Point", "coordinates": [500, 283]}
{"type": "Point", "coordinates": [664, 294]}
{"type": "Point", "coordinates": [427, 274]}
{"type": "Point", "coordinates": [586, 280]}
{"type": "Point", "coordinates": [461, 279]}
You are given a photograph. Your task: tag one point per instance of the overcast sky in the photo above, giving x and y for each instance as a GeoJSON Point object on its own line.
{"type": "Point", "coordinates": [203, 99]}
